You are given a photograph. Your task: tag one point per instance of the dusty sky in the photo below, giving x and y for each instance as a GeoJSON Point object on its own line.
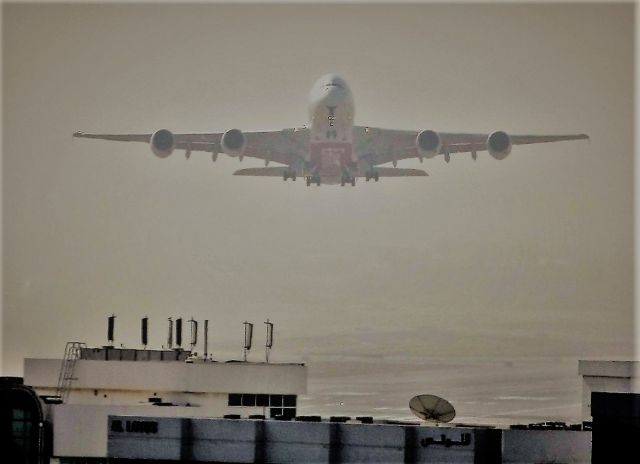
{"type": "Point", "coordinates": [531, 256]}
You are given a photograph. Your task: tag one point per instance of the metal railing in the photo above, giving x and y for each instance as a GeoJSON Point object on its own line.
{"type": "Point", "coordinates": [66, 378]}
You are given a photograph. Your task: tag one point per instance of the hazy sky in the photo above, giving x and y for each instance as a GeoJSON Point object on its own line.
{"type": "Point", "coordinates": [531, 256]}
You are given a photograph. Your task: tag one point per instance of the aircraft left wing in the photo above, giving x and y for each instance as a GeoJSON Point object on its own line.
{"type": "Point", "coordinates": [378, 146]}
{"type": "Point", "coordinates": [287, 146]}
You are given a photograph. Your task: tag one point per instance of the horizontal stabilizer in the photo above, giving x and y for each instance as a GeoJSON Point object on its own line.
{"type": "Point", "coordinates": [398, 172]}
{"type": "Point", "coordinates": [275, 171]}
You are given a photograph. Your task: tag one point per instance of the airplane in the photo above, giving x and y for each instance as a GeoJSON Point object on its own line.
{"type": "Point", "coordinates": [332, 150]}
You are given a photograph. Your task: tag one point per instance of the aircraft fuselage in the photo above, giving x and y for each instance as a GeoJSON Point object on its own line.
{"type": "Point", "coordinates": [331, 156]}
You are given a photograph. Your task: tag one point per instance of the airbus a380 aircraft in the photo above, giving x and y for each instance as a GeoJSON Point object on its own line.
{"type": "Point", "coordinates": [332, 149]}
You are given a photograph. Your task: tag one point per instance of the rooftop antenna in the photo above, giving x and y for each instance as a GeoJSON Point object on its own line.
{"type": "Point", "coordinates": [111, 325]}
{"type": "Point", "coordinates": [178, 333]}
{"type": "Point", "coordinates": [248, 335]}
{"type": "Point", "coordinates": [206, 337]}
{"type": "Point", "coordinates": [145, 332]}
{"type": "Point", "coordinates": [170, 335]}
{"type": "Point", "coordinates": [432, 408]}
{"type": "Point", "coordinates": [269, 342]}
{"type": "Point", "coordinates": [194, 333]}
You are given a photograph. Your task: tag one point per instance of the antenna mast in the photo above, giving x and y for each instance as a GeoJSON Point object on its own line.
{"type": "Point", "coordinates": [179, 333]}
{"type": "Point", "coordinates": [269, 342]}
{"type": "Point", "coordinates": [194, 333]}
{"type": "Point", "coordinates": [111, 329]}
{"type": "Point", "coordinates": [248, 335]}
{"type": "Point", "coordinates": [206, 337]}
{"type": "Point", "coordinates": [145, 332]}
{"type": "Point", "coordinates": [170, 335]}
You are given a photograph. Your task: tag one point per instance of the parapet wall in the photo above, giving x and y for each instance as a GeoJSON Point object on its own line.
{"type": "Point", "coordinates": [224, 440]}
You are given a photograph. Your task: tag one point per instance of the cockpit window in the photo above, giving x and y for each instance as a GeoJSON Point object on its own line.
{"type": "Point", "coordinates": [335, 84]}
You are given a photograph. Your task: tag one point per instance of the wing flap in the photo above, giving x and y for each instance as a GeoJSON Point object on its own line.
{"type": "Point", "coordinates": [526, 139]}
{"type": "Point", "coordinates": [398, 172]}
{"type": "Point", "coordinates": [116, 137]}
{"type": "Point", "coordinates": [275, 171]}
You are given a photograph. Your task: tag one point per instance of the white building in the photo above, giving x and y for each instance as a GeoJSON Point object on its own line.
{"type": "Point", "coordinates": [607, 376]}
{"type": "Point", "coordinates": [158, 383]}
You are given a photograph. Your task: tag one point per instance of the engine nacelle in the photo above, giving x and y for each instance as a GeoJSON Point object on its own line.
{"type": "Point", "coordinates": [499, 144]}
{"type": "Point", "coordinates": [233, 142]}
{"type": "Point", "coordinates": [428, 143]}
{"type": "Point", "coordinates": [162, 143]}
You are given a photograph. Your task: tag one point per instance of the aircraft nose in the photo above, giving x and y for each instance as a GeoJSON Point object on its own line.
{"type": "Point", "coordinates": [332, 94]}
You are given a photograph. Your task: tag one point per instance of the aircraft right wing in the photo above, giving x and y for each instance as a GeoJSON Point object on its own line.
{"type": "Point", "coordinates": [287, 146]}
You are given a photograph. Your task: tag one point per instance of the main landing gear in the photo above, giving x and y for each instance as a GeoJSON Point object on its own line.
{"type": "Point", "coordinates": [348, 179]}
{"type": "Point", "coordinates": [313, 180]}
{"type": "Point", "coordinates": [375, 175]}
{"type": "Point", "coordinates": [289, 175]}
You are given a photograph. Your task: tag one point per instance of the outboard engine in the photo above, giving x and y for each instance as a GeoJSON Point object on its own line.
{"type": "Point", "coordinates": [162, 143]}
{"type": "Point", "coordinates": [233, 142]}
{"type": "Point", "coordinates": [499, 144]}
{"type": "Point", "coordinates": [428, 143]}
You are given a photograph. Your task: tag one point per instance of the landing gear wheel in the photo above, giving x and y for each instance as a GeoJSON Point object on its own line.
{"type": "Point", "coordinates": [293, 176]}
{"type": "Point", "coordinates": [353, 181]}
{"type": "Point", "coordinates": [308, 181]}
{"type": "Point", "coordinates": [318, 181]}
{"type": "Point", "coordinates": [377, 176]}
{"type": "Point", "coordinates": [342, 181]}
{"type": "Point", "coordinates": [285, 176]}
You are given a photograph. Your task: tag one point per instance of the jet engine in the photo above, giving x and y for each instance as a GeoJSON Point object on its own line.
{"type": "Point", "coordinates": [499, 144]}
{"type": "Point", "coordinates": [428, 143]}
{"type": "Point", "coordinates": [162, 143]}
{"type": "Point", "coordinates": [233, 142]}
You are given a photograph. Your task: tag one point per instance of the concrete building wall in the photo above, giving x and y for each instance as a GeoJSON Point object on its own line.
{"type": "Point", "coordinates": [546, 446]}
{"type": "Point", "coordinates": [601, 384]}
{"type": "Point", "coordinates": [371, 443]}
{"type": "Point", "coordinates": [233, 443]}
{"type": "Point", "coordinates": [287, 442]}
{"type": "Point", "coordinates": [163, 376]}
{"type": "Point", "coordinates": [442, 454]}
{"type": "Point", "coordinates": [220, 440]}
{"type": "Point", "coordinates": [607, 376]}
{"type": "Point", "coordinates": [81, 430]}
{"type": "Point", "coordinates": [215, 403]}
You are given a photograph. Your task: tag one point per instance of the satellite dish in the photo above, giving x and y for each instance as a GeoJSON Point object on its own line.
{"type": "Point", "coordinates": [432, 408]}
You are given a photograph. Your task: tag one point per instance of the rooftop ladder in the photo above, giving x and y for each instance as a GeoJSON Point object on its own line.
{"type": "Point", "coordinates": [65, 378]}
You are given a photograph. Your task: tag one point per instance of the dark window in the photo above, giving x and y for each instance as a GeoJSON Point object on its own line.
{"type": "Point", "coordinates": [19, 419]}
{"type": "Point", "coordinates": [248, 399]}
{"type": "Point", "coordinates": [275, 412]}
{"type": "Point", "coordinates": [276, 402]}
{"type": "Point", "coordinates": [288, 413]}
